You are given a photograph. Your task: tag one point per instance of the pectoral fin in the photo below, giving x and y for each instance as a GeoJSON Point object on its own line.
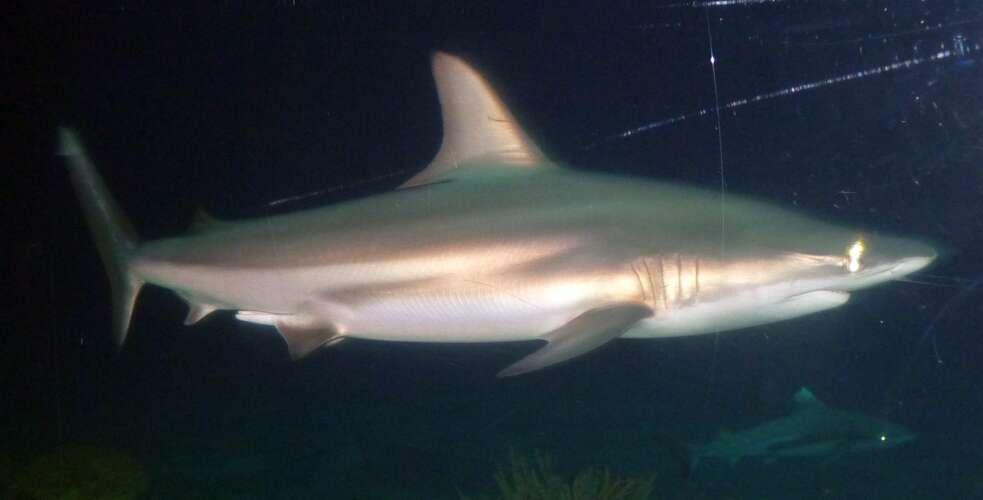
{"type": "Point", "coordinates": [582, 334]}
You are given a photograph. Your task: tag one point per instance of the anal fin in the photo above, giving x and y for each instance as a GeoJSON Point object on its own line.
{"type": "Point", "coordinates": [304, 339]}
{"type": "Point", "coordinates": [197, 311]}
{"type": "Point", "coordinates": [302, 335]}
{"type": "Point", "coordinates": [580, 335]}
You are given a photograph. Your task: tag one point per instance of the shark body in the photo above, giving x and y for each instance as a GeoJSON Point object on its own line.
{"type": "Point", "coordinates": [811, 430]}
{"type": "Point", "coordinates": [494, 242]}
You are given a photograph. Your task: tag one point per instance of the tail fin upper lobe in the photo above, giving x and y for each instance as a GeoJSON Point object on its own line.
{"type": "Point", "coordinates": [112, 231]}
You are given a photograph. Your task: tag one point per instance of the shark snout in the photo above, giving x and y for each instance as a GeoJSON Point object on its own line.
{"type": "Point", "coordinates": [911, 265]}
{"type": "Point", "coordinates": [899, 257]}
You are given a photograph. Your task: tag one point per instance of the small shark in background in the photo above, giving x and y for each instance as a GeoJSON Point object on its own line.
{"type": "Point", "coordinates": [493, 241]}
{"type": "Point", "coordinates": [811, 430]}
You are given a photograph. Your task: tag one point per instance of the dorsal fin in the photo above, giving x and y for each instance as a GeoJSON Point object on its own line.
{"type": "Point", "coordinates": [805, 399]}
{"type": "Point", "coordinates": [204, 221]}
{"type": "Point", "coordinates": [476, 123]}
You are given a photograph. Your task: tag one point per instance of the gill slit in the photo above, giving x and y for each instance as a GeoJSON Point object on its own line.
{"type": "Point", "coordinates": [662, 280]}
{"type": "Point", "coordinates": [696, 278]}
{"type": "Point", "coordinates": [641, 285]}
{"type": "Point", "coordinates": [651, 277]}
{"type": "Point", "coordinates": [679, 278]}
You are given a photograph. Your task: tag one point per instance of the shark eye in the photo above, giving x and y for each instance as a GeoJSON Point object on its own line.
{"type": "Point", "coordinates": [854, 253]}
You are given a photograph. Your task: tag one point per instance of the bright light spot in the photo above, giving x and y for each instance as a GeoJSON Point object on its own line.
{"type": "Point", "coordinates": [855, 252]}
{"type": "Point", "coordinates": [883, 438]}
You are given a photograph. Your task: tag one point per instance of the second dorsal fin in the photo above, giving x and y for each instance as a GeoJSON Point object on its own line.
{"type": "Point", "coordinates": [804, 399]}
{"type": "Point", "coordinates": [204, 221]}
{"type": "Point", "coordinates": [477, 125]}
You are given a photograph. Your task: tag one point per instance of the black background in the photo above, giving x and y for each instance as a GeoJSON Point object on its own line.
{"type": "Point", "coordinates": [232, 108]}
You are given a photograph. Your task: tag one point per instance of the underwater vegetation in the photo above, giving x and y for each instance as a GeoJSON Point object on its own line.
{"type": "Point", "coordinates": [523, 480]}
{"type": "Point", "coordinates": [77, 472]}
{"type": "Point", "coordinates": [6, 470]}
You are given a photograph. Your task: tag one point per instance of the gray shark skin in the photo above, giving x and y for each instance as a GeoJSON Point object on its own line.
{"type": "Point", "coordinates": [494, 242]}
{"type": "Point", "coordinates": [811, 430]}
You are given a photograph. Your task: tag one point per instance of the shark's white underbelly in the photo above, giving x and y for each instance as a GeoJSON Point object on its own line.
{"type": "Point", "coordinates": [368, 303]}
{"type": "Point", "coordinates": [374, 302]}
{"type": "Point", "coordinates": [486, 309]}
{"type": "Point", "coordinates": [454, 319]}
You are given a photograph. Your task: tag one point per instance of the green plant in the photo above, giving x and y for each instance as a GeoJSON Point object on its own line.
{"type": "Point", "coordinates": [79, 473]}
{"type": "Point", "coordinates": [523, 480]}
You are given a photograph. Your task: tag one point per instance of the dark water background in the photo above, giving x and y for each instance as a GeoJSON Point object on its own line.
{"type": "Point", "coordinates": [233, 108]}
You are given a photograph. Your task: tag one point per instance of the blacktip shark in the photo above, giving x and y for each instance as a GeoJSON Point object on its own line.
{"type": "Point", "coordinates": [493, 241]}
{"type": "Point", "coordinates": [811, 430]}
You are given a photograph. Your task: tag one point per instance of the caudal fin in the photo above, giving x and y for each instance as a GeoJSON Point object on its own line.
{"type": "Point", "coordinates": [112, 231]}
